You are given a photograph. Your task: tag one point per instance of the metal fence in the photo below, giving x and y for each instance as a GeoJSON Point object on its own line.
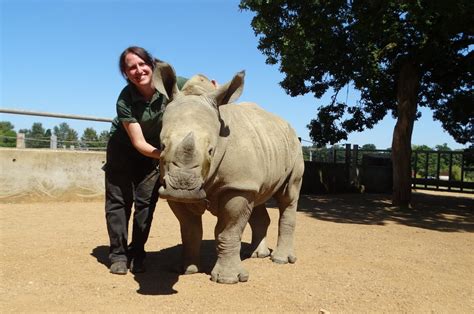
{"type": "Point", "coordinates": [52, 142]}
{"type": "Point", "coordinates": [443, 170]}
{"type": "Point", "coordinates": [431, 170]}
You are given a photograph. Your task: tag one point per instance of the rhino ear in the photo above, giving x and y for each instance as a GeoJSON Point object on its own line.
{"type": "Point", "coordinates": [164, 80]}
{"type": "Point", "coordinates": [229, 92]}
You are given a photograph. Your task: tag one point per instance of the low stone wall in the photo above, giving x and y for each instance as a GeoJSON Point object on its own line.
{"type": "Point", "coordinates": [50, 175]}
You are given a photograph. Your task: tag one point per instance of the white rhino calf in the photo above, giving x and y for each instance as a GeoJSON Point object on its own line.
{"type": "Point", "coordinates": [229, 159]}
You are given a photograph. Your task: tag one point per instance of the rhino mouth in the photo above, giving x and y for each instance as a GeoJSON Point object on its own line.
{"type": "Point", "coordinates": [181, 186]}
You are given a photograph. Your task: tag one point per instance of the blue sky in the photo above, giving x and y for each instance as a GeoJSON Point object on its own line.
{"type": "Point", "coordinates": [61, 56]}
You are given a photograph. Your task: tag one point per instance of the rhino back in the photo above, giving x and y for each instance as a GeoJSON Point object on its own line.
{"type": "Point", "coordinates": [261, 151]}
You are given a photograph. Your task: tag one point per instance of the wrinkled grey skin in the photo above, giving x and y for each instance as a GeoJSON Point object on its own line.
{"type": "Point", "coordinates": [229, 159]}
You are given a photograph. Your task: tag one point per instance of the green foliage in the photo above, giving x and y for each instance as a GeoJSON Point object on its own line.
{"type": "Point", "coordinates": [336, 153]}
{"type": "Point", "coordinates": [325, 46]}
{"type": "Point", "coordinates": [456, 173]}
{"type": "Point", "coordinates": [104, 137]}
{"type": "Point", "coordinates": [424, 160]}
{"type": "Point", "coordinates": [37, 136]}
{"type": "Point", "coordinates": [90, 139]}
{"type": "Point", "coordinates": [442, 148]}
{"type": "Point", "coordinates": [306, 152]}
{"type": "Point", "coordinates": [7, 134]}
{"type": "Point", "coordinates": [65, 135]}
{"type": "Point", "coordinates": [368, 147]}
{"type": "Point", "coordinates": [420, 147]}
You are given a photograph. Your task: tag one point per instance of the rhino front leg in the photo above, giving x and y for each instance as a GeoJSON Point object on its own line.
{"type": "Point", "coordinates": [233, 214]}
{"type": "Point", "coordinates": [191, 236]}
{"type": "Point", "coordinates": [259, 222]}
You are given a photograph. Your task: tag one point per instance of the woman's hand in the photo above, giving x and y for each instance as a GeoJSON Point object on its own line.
{"type": "Point", "coordinates": [135, 133]}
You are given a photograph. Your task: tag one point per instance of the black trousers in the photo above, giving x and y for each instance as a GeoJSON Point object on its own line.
{"type": "Point", "coordinates": [130, 179]}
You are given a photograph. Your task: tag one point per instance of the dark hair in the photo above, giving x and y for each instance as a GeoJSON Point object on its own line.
{"type": "Point", "coordinates": [139, 51]}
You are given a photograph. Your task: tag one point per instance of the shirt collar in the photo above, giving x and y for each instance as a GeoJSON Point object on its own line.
{"type": "Point", "coordinates": [137, 96]}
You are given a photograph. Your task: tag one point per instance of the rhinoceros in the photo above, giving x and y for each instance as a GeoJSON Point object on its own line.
{"type": "Point", "coordinates": [228, 159]}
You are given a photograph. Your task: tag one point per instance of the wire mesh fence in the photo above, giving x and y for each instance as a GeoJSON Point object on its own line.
{"type": "Point", "coordinates": [21, 141]}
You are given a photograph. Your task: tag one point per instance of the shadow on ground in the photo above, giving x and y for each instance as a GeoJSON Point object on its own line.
{"type": "Point", "coordinates": [434, 212]}
{"type": "Point", "coordinates": [162, 270]}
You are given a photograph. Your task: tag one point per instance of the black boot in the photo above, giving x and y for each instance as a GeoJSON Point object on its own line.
{"type": "Point", "coordinates": [137, 265]}
{"type": "Point", "coordinates": [119, 268]}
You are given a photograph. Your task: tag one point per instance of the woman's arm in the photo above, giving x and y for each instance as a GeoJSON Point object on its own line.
{"type": "Point", "coordinates": [135, 133]}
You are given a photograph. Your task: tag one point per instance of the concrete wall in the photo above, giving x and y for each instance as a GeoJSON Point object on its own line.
{"type": "Point", "coordinates": [50, 175]}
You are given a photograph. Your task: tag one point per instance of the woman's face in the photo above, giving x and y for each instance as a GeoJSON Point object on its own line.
{"type": "Point", "coordinates": [137, 71]}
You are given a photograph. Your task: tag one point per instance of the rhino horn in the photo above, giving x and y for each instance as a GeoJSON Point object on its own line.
{"type": "Point", "coordinates": [186, 149]}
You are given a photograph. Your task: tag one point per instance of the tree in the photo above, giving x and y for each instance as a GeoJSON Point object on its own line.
{"type": "Point", "coordinates": [65, 135]}
{"type": "Point", "coordinates": [90, 139]}
{"type": "Point", "coordinates": [104, 137]}
{"type": "Point", "coordinates": [398, 54]}
{"type": "Point", "coordinates": [368, 147]}
{"type": "Point", "coordinates": [37, 136]}
{"type": "Point", "coordinates": [7, 134]}
{"type": "Point", "coordinates": [443, 148]}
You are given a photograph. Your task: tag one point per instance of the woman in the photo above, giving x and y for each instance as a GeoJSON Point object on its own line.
{"type": "Point", "coordinates": [131, 170]}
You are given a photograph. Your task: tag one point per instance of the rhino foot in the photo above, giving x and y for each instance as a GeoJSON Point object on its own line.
{"type": "Point", "coordinates": [191, 269]}
{"type": "Point", "coordinates": [283, 259]}
{"type": "Point", "coordinates": [260, 253]}
{"type": "Point", "coordinates": [227, 276]}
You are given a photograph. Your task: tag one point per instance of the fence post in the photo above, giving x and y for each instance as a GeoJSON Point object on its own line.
{"type": "Point", "coordinates": [20, 140]}
{"type": "Point", "coordinates": [355, 154]}
{"type": "Point", "coordinates": [53, 142]}
{"type": "Point", "coordinates": [415, 170]}
{"type": "Point", "coordinates": [426, 168]}
{"type": "Point", "coordinates": [354, 170]}
{"type": "Point", "coordinates": [450, 170]}
{"type": "Point", "coordinates": [438, 167]}
{"type": "Point", "coordinates": [348, 155]}
{"type": "Point", "coordinates": [348, 166]}
{"type": "Point", "coordinates": [462, 171]}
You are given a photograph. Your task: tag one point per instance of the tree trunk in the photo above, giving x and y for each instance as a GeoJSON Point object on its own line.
{"type": "Point", "coordinates": [407, 91]}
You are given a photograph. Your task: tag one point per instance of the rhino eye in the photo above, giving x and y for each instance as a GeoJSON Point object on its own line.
{"type": "Point", "coordinates": [162, 147]}
{"type": "Point", "coordinates": [210, 151]}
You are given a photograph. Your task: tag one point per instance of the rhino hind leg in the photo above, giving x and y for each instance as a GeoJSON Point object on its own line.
{"type": "Point", "coordinates": [259, 222]}
{"type": "Point", "coordinates": [287, 199]}
{"type": "Point", "coordinates": [191, 236]}
{"type": "Point", "coordinates": [284, 251]}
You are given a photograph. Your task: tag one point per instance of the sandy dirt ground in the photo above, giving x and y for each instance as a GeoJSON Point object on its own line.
{"type": "Point", "coordinates": [355, 253]}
